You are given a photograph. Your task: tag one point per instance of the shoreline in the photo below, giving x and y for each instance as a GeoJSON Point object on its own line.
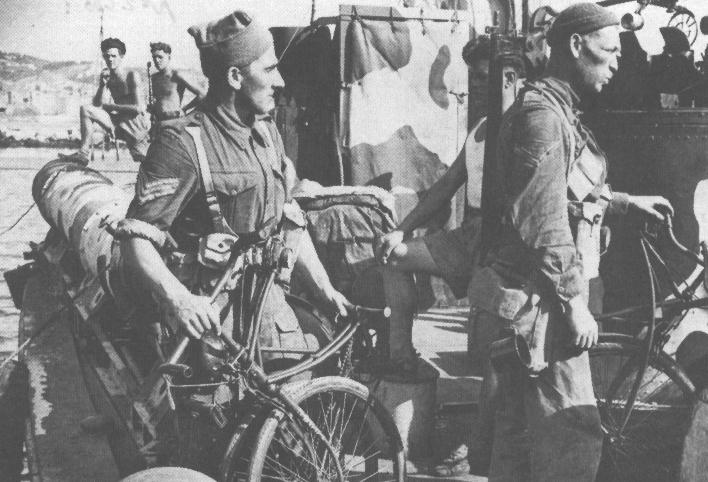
{"type": "Point", "coordinates": [10, 142]}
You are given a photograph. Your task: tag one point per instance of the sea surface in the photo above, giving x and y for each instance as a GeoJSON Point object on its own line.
{"type": "Point", "coordinates": [17, 170]}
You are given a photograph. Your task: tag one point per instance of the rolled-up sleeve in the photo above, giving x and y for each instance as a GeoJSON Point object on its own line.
{"type": "Point", "coordinates": [167, 180]}
{"type": "Point", "coordinates": [537, 187]}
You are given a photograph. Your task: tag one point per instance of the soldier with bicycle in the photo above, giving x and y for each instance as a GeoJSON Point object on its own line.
{"type": "Point", "coordinates": [550, 180]}
{"type": "Point", "coordinates": [216, 174]}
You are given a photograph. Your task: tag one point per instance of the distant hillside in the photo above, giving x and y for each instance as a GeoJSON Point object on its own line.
{"type": "Point", "coordinates": [20, 69]}
{"type": "Point", "coordinates": [40, 99]}
{"type": "Point", "coordinates": [17, 67]}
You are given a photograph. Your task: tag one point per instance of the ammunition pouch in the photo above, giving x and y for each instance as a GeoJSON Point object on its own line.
{"type": "Point", "coordinates": [590, 237]}
{"type": "Point", "coordinates": [215, 250]}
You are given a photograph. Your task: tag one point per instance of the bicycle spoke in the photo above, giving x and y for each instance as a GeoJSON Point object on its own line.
{"type": "Point", "coordinates": [643, 435]}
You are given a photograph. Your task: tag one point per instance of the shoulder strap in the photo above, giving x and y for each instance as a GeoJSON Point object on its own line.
{"type": "Point", "coordinates": [217, 218]}
{"type": "Point", "coordinates": [579, 182]}
{"type": "Point", "coordinates": [567, 126]}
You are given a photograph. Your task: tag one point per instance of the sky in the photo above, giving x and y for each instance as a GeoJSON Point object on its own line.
{"type": "Point", "coordinates": [69, 29]}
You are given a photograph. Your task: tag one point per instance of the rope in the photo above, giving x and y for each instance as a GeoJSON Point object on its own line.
{"type": "Point", "coordinates": [7, 230]}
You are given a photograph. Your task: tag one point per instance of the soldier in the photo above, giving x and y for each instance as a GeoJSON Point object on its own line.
{"type": "Point", "coordinates": [125, 118]}
{"type": "Point", "coordinates": [454, 254]}
{"type": "Point", "coordinates": [220, 169]}
{"type": "Point", "coordinates": [169, 85]}
{"type": "Point", "coordinates": [550, 180]}
{"type": "Point", "coordinates": [450, 254]}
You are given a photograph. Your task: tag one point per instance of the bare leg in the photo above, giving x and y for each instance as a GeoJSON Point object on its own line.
{"type": "Point", "coordinates": [91, 116]}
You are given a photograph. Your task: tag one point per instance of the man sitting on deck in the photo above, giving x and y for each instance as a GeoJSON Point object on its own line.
{"type": "Point", "coordinates": [125, 117]}
{"type": "Point", "coordinates": [168, 86]}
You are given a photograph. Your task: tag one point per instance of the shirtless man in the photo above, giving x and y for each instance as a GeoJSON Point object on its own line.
{"type": "Point", "coordinates": [168, 86]}
{"type": "Point", "coordinates": [125, 117]}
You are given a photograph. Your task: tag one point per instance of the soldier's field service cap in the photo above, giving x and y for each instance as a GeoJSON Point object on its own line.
{"type": "Point", "coordinates": [235, 40]}
{"type": "Point", "coordinates": [581, 18]}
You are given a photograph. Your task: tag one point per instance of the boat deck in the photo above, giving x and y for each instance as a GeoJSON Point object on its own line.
{"type": "Point", "coordinates": [59, 449]}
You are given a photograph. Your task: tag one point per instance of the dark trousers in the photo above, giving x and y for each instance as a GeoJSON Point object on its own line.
{"type": "Point", "coordinates": [547, 428]}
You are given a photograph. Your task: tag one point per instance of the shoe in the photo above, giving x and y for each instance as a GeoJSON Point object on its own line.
{"type": "Point", "coordinates": [454, 464]}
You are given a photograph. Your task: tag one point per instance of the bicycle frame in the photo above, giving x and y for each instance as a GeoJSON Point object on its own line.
{"type": "Point", "coordinates": [243, 361]}
{"type": "Point", "coordinates": [653, 341]}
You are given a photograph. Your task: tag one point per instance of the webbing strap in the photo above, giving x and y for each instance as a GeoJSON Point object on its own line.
{"type": "Point", "coordinates": [217, 218]}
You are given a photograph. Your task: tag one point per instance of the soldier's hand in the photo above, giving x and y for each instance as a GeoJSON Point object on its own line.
{"type": "Point", "coordinates": [336, 301]}
{"type": "Point", "coordinates": [105, 77]}
{"type": "Point", "coordinates": [385, 245]}
{"type": "Point", "coordinates": [655, 206]}
{"type": "Point", "coordinates": [583, 327]}
{"type": "Point", "coordinates": [194, 314]}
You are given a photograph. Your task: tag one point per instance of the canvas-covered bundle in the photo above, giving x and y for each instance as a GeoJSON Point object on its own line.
{"type": "Point", "coordinates": [343, 222]}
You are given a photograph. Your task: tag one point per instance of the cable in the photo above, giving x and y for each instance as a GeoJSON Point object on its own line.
{"type": "Point", "coordinates": [7, 230]}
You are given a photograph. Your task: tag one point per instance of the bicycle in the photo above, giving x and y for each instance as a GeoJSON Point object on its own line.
{"type": "Point", "coordinates": [324, 429]}
{"type": "Point", "coordinates": [645, 398]}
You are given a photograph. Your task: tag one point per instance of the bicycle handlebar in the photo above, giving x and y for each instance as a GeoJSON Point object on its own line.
{"type": "Point", "coordinates": [668, 226]}
{"type": "Point", "coordinates": [385, 311]}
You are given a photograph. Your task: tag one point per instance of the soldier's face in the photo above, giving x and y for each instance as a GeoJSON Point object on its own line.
{"type": "Point", "coordinates": [260, 82]}
{"type": "Point", "coordinates": [161, 59]}
{"type": "Point", "coordinates": [113, 58]}
{"type": "Point", "coordinates": [598, 55]}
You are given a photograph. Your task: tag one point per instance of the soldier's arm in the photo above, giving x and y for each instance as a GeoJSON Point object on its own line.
{"type": "Point", "coordinates": [536, 181]}
{"type": "Point", "coordinates": [199, 93]}
{"type": "Point", "coordinates": [102, 82]}
{"type": "Point", "coordinates": [166, 182]}
{"type": "Point", "coordinates": [436, 199]}
{"type": "Point", "coordinates": [654, 206]}
{"type": "Point", "coordinates": [136, 100]}
{"type": "Point", "coordinates": [538, 185]}
{"type": "Point", "coordinates": [313, 275]}
{"type": "Point", "coordinates": [438, 196]}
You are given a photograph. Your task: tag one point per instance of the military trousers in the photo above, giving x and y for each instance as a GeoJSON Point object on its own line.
{"type": "Point", "coordinates": [547, 427]}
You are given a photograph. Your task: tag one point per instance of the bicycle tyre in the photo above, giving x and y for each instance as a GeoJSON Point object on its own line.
{"type": "Point", "coordinates": [648, 447]}
{"type": "Point", "coordinates": [277, 455]}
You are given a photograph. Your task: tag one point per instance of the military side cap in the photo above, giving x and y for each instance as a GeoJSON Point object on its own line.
{"type": "Point", "coordinates": [580, 18]}
{"type": "Point", "coordinates": [235, 40]}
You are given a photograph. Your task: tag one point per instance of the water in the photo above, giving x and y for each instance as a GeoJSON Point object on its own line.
{"type": "Point", "coordinates": [17, 170]}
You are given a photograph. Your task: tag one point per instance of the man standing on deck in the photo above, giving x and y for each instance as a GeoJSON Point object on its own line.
{"type": "Point", "coordinates": [551, 192]}
{"type": "Point", "coordinates": [221, 171]}
{"type": "Point", "coordinates": [168, 86]}
{"type": "Point", "coordinates": [453, 255]}
{"type": "Point", "coordinates": [125, 117]}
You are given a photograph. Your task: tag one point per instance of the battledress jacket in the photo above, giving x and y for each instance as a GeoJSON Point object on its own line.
{"type": "Point", "coordinates": [252, 178]}
{"type": "Point", "coordinates": [535, 256]}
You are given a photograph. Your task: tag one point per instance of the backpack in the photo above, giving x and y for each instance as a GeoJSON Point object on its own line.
{"type": "Point", "coordinates": [343, 222]}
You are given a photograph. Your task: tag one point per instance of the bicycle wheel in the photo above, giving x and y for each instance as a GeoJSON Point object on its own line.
{"type": "Point", "coordinates": [643, 440]}
{"type": "Point", "coordinates": [358, 427]}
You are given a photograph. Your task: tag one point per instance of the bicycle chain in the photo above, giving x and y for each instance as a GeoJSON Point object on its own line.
{"type": "Point", "coordinates": [346, 366]}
